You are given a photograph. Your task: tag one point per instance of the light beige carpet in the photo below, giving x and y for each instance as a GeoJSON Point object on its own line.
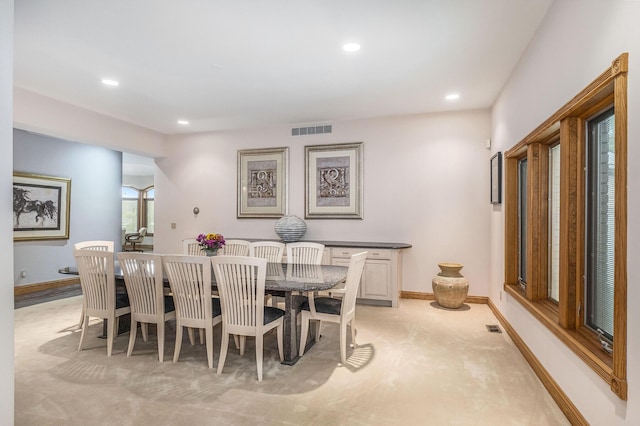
{"type": "Point", "coordinates": [414, 365]}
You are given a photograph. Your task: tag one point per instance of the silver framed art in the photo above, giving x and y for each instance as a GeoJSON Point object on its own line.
{"type": "Point", "coordinates": [333, 181]}
{"type": "Point", "coordinates": [262, 182]}
{"type": "Point", "coordinates": [40, 207]}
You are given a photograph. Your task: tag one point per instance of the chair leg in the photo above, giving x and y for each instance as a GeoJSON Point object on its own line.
{"type": "Point", "coordinates": [304, 330]}
{"type": "Point", "coordinates": [161, 340]}
{"type": "Point", "coordinates": [201, 333]}
{"type": "Point", "coordinates": [353, 332]}
{"type": "Point", "coordinates": [84, 307]}
{"type": "Point", "coordinates": [223, 350]}
{"type": "Point", "coordinates": [280, 333]}
{"type": "Point", "coordinates": [191, 336]}
{"type": "Point", "coordinates": [145, 331]}
{"type": "Point", "coordinates": [209, 332]}
{"type": "Point", "coordinates": [111, 326]}
{"type": "Point", "coordinates": [132, 336]}
{"type": "Point", "coordinates": [318, 324]}
{"type": "Point", "coordinates": [343, 342]}
{"type": "Point", "coordinates": [83, 335]}
{"type": "Point", "coordinates": [259, 354]}
{"type": "Point", "coordinates": [176, 351]}
{"type": "Point", "coordinates": [236, 341]}
{"type": "Point", "coordinates": [243, 341]}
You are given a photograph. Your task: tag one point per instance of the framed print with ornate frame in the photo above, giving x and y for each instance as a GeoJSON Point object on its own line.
{"type": "Point", "coordinates": [333, 175]}
{"type": "Point", "coordinates": [262, 182]}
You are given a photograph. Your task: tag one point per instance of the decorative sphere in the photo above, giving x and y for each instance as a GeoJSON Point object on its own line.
{"type": "Point", "coordinates": [290, 228]}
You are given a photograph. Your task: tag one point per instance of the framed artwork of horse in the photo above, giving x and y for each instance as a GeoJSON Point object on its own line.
{"type": "Point", "coordinates": [40, 207]}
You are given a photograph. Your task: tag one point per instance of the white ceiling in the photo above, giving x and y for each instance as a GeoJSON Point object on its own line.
{"type": "Point", "coordinates": [229, 64]}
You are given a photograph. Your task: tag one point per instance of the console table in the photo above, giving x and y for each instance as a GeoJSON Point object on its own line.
{"type": "Point", "coordinates": [381, 282]}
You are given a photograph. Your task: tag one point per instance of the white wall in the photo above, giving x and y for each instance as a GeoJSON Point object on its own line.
{"type": "Point", "coordinates": [95, 212]}
{"type": "Point", "coordinates": [6, 234]}
{"type": "Point", "coordinates": [426, 182]}
{"type": "Point", "coordinates": [40, 114]}
{"type": "Point", "coordinates": [575, 43]}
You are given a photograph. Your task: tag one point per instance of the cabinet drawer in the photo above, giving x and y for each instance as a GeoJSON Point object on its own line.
{"type": "Point", "coordinates": [347, 252]}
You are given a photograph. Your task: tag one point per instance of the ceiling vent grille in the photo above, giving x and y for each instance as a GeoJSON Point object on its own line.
{"type": "Point", "coordinates": [311, 130]}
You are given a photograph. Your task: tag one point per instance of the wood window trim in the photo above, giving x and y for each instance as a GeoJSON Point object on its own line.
{"type": "Point", "coordinates": [142, 206]}
{"type": "Point", "coordinates": [567, 319]}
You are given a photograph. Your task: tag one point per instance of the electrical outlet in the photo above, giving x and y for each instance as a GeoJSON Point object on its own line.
{"type": "Point", "coordinates": [500, 294]}
{"type": "Point", "coordinates": [173, 225]}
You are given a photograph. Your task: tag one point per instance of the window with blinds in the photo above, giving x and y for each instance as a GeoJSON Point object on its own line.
{"type": "Point", "coordinates": [138, 209]}
{"type": "Point", "coordinates": [553, 289]}
{"type": "Point", "coordinates": [566, 224]}
{"type": "Point", "coordinates": [600, 223]}
{"type": "Point", "coordinates": [522, 222]}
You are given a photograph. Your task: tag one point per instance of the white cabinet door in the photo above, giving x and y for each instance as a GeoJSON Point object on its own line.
{"type": "Point", "coordinates": [376, 280]}
{"type": "Point", "coordinates": [380, 279]}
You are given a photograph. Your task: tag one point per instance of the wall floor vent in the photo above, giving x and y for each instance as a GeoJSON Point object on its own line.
{"type": "Point", "coordinates": [493, 329]}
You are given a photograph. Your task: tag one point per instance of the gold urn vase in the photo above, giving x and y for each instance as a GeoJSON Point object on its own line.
{"type": "Point", "coordinates": [450, 287]}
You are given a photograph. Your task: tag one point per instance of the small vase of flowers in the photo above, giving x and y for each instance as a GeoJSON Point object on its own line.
{"type": "Point", "coordinates": [210, 243]}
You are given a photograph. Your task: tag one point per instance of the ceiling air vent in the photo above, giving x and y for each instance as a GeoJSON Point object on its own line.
{"type": "Point", "coordinates": [311, 130]}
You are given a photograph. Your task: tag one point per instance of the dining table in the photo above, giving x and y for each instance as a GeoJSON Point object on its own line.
{"type": "Point", "coordinates": [289, 281]}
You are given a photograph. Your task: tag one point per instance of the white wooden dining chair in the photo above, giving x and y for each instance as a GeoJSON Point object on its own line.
{"type": "Point", "coordinates": [305, 253]}
{"type": "Point", "coordinates": [235, 248]}
{"type": "Point", "coordinates": [95, 245]}
{"type": "Point", "coordinates": [273, 251]}
{"type": "Point", "coordinates": [191, 247]}
{"type": "Point", "coordinates": [241, 282]}
{"type": "Point", "coordinates": [341, 311]}
{"type": "Point", "coordinates": [97, 279]}
{"type": "Point", "coordinates": [92, 245]}
{"type": "Point", "coordinates": [190, 283]}
{"type": "Point", "coordinates": [149, 305]}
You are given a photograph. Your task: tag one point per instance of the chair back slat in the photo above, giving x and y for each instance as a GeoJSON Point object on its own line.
{"type": "Point", "coordinates": [241, 282]}
{"type": "Point", "coordinates": [273, 251]}
{"type": "Point", "coordinates": [306, 253]}
{"type": "Point", "coordinates": [191, 247]}
{"type": "Point", "coordinates": [94, 245]}
{"type": "Point", "coordinates": [356, 266]}
{"type": "Point", "coordinates": [190, 282]}
{"type": "Point", "coordinates": [97, 279]}
{"type": "Point", "coordinates": [235, 248]}
{"type": "Point", "coordinates": [143, 279]}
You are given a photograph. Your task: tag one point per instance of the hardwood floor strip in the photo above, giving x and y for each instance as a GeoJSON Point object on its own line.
{"type": "Point", "coordinates": [430, 296]}
{"type": "Point", "coordinates": [48, 285]}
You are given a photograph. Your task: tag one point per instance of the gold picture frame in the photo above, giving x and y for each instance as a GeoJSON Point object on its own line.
{"type": "Point", "coordinates": [40, 207]}
{"type": "Point", "coordinates": [263, 182]}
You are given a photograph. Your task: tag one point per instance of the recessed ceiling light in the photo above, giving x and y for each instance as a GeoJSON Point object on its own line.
{"type": "Point", "coordinates": [183, 122]}
{"type": "Point", "coordinates": [109, 82]}
{"type": "Point", "coordinates": [351, 47]}
{"type": "Point", "coordinates": [452, 96]}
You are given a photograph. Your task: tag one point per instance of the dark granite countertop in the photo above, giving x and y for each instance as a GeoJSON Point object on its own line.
{"type": "Point", "coordinates": [355, 244]}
